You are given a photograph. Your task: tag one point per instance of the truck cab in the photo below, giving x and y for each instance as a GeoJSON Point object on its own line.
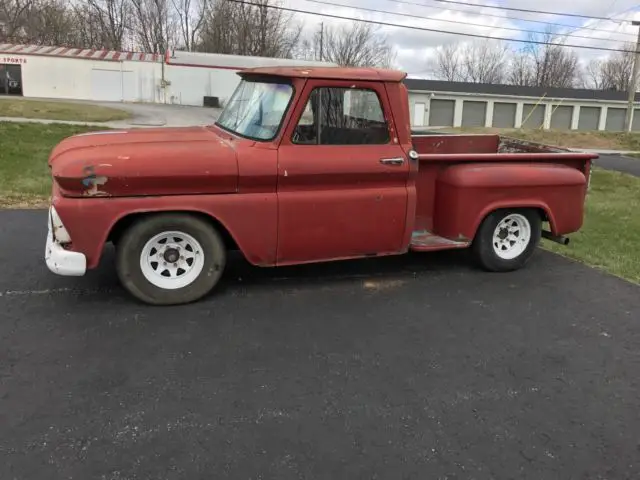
{"type": "Point", "coordinates": [303, 165]}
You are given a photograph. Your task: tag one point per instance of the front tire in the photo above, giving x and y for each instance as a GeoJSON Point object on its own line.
{"type": "Point", "coordinates": [170, 259]}
{"type": "Point", "coordinates": [507, 239]}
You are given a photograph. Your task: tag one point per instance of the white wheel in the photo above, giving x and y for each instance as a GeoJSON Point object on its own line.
{"type": "Point", "coordinates": [512, 236]}
{"type": "Point", "coordinates": [172, 260]}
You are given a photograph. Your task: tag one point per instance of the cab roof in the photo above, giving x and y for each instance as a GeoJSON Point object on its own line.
{"type": "Point", "coordinates": [334, 73]}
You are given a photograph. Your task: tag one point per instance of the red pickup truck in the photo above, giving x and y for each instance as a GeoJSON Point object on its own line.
{"type": "Point", "coordinates": [303, 165]}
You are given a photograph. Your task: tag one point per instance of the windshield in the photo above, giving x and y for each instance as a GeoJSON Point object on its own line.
{"type": "Point", "coordinates": [256, 109]}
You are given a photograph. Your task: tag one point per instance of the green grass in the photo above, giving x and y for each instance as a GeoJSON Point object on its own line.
{"type": "Point", "coordinates": [67, 111]}
{"type": "Point", "coordinates": [24, 149]}
{"type": "Point", "coordinates": [610, 236]}
{"type": "Point", "coordinates": [569, 139]}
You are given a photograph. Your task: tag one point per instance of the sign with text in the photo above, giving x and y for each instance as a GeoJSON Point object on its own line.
{"type": "Point", "coordinates": [13, 60]}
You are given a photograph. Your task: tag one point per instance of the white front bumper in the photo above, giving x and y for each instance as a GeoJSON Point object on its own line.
{"type": "Point", "coordinates": [61, 261]}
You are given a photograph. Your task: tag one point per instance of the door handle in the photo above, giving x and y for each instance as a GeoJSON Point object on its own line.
{"type": "Point", "coordinates": [392, 161]}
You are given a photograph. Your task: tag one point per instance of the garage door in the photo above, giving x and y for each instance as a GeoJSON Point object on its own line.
{"type": "Point", "coordinates": [504, 115]}
{"type": "Point", "coordinates": [532, 115]}
{"type": "Point", "coordinates": [441, 113]}
{"type": "Point", "coordinates": [616, 119]}
{"type": "Point", "coordinates": [561, 117]}
{"type": "Point", "coordinates": [589, 118]}
{"type": "Point", "coordinates": [106, 85]}
{"type": "Point", "coordinates": [474, 113]}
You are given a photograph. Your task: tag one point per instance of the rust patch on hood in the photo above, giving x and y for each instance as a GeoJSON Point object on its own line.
{"type": "Point", "coordinates": [93, 182]}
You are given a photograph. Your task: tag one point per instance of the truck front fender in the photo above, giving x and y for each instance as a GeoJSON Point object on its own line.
{"type": "Point", "coordinates": [467, 193]}
{"type": "Point", "coordinates": [250, 221]}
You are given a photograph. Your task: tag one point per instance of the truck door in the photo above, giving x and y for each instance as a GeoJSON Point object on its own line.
{"type": "Point", "coordinates": [342, 176]}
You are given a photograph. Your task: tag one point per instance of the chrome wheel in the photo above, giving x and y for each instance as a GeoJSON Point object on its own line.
{"type": "Point", "coordinates": [512, 236]}
{"type": "Point", "coordinates": [172, 260]}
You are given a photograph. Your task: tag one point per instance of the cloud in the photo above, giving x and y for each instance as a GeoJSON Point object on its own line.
{"type": "Point", "coordinates": [414, 47]}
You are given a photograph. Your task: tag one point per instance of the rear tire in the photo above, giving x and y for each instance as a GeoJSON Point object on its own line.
{"type": "Point", "coordinates": [170, 259]}
{"type": "Point", "coordinates": [507, 239]}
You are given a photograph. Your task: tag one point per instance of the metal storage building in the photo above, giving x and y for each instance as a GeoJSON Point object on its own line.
{"type": "Point", "coordinates": [437, 103]}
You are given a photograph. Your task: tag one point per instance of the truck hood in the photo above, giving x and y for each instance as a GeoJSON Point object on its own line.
{"type": "Point", "coordinates": [137, 162]}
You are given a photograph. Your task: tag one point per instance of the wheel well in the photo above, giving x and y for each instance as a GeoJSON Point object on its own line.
{"type": "Point", "coordinates": [544, 217]}
{"type": "Point", "coordinates": [541, 211]}
{"type": "Point", "coordinates": [125, 222]}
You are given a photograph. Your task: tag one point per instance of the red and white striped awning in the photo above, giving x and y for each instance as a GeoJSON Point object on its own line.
{"type": "Point", "coordinates": [85, 54]}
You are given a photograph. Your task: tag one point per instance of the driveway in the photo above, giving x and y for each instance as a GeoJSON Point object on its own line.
{"type": "Point", "coordinates": [142, 115]}
{"type": "Point", "coordinates": [619, 163]}
{"type": "Point", "coordinates": [412, 367]}
{"type": "Point", "coordinates": [157, 115]}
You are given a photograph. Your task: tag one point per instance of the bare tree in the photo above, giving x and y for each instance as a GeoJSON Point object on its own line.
{"type": "Point", "coordinates": [447, 64]}
{"type": "Point", "coordinates": [484, 61]}
{"type": "Point", "coordinates": [257, 30]}
{"type": "Point", "coordinates": [13, 15]}
{"type": "Point", "coordinates": [548, 64]}
{"type": "Point", "coordinates": [109, 22]}
{"type": "Point", "coordinates": [354, 45]}
{"type": "Point", "coordinates": [521, 70]}
{"type": "Point", "coordinates": [190, 18]}
{"type": "Point", "coordinates": [477, 62]}
{"type": "Point", "coordinates": [613, 73]}
{"type": "Point", "coordinates": [154, 27]}
{"type": "Point", "coordinates": [50, 22]}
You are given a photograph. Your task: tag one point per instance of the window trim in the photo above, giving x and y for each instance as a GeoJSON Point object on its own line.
{"type": "Point", "coordinates": [361, 88]}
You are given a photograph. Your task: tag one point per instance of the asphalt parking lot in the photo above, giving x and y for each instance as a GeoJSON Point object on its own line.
{"type": "Point", "coordinates": [413, 367]}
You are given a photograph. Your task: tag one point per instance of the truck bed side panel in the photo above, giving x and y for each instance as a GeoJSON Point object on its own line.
{"type": "Point", "coordinates": [448, 144]}
{"type": "Point", "coordinates": [466, 194]}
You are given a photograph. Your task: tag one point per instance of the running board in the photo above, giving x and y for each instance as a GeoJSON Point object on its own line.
{"type": "Point", "coordinates": [423, 240]}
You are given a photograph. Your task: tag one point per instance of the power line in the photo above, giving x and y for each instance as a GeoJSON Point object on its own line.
{"type": "Point", "coordinates": [411, 27]}
{"type": "Point", "coordinates": [409, 15]}
{"type": "Point", "coordinates": [611, 32]}
{"type": "Point", "coordinates": [494, 15]}
{"type": "Point", "coordinates": [513, 9]}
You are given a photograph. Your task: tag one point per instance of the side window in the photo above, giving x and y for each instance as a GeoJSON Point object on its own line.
{"type": "Point", "coordinates": [342, 116]}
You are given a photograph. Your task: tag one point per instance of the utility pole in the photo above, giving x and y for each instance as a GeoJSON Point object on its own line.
{"type": "Point", "coordinates": [322, 41]}
{"type": "Point", "coordinates": [633, 82]}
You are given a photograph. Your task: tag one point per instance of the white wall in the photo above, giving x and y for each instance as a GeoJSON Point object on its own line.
{"type": "Point", "coordinates": [69, 78]}
{"type": "Point", "coordinates": [190, 77]}
{"type": "Point", "coordinates": [196, 75]}
{"type": "Point", "coordinates": [190, 84]}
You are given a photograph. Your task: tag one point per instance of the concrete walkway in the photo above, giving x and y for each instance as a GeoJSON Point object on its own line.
{"type": "Point", "coordinates": [605, 152]}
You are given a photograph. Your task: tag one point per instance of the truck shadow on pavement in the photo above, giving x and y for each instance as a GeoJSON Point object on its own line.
{"type": "Point", "coordinates": [241, 275]}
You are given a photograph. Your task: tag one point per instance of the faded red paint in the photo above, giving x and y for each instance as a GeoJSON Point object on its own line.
{"type": "Point", "coordinates": [147, 162]}
{"type": "Point", "coordinates": [284, 203]}
{"type": "Point", "coordinates": [331, 73]}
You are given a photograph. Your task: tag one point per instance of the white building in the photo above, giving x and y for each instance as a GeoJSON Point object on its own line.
{"type": "Point", "coordinates": [179, 77]}
{"type": "Point", "coordinates": [193, 76]}
{"type": "Point", "coordinates": [83, 74]}
{"type": "Point", "coordinates": [187, 78]}
{"type": "Point", "coordinates": [436, 103]}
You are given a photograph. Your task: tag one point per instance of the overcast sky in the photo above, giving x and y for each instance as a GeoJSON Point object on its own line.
{"type": "Point", "coordinates": [414, 48]}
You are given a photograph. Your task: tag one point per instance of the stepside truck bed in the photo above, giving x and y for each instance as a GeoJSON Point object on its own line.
{"type": "Point", "coordinates": [456, 173]}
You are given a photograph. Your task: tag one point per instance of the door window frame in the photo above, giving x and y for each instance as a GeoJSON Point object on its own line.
{"type": "Point", "coordinates": [312, 84]}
